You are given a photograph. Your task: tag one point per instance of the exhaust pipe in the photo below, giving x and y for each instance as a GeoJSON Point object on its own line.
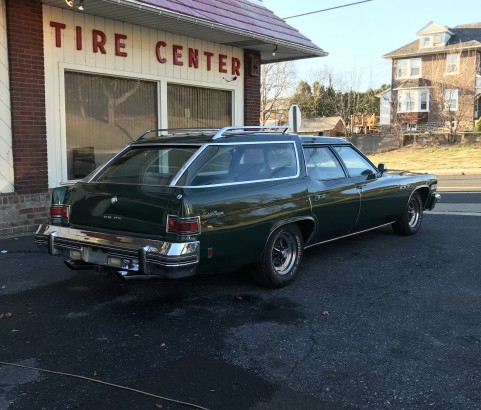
{"type": "Point", "coordinates": [78, 265]}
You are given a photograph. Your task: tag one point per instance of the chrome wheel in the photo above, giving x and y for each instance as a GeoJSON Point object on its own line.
{"type": "Point", "coordinates": [281, 258]}
{"type": "Point", "coordinates": [410, 222]}
{"type": "Point", "coordinates": [414, 212]}
{"type": "Point", "coordinates": [284, 253]}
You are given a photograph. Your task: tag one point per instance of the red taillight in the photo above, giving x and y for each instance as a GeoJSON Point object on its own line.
{"type": "Point", "coordinates": [183, 225]}
{"type": "Point", "coordinates": [60, 212]}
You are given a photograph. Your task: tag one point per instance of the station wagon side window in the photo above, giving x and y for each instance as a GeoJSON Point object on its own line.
{"type": "Point", "coordinates": [355, 163]}
{"type": "Point", "coordinates": [322, 164]}
{"type": "Point", "coordinates": [236, 163]}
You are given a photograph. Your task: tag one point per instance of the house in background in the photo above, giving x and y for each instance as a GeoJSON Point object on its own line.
{"type": "Point", "coordinates": [328, 126]}
{"type": "Point", "coordinates": [436, 79]}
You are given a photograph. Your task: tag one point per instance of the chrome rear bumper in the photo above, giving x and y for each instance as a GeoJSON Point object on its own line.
{"type": "Point", "coordinates": [140, 256]}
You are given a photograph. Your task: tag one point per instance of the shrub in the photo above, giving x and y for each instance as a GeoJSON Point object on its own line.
{"type": "Point", "coordinates": [477, 125]}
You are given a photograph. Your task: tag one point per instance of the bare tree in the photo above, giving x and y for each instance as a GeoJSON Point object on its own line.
{"type": "Point", "coordinates": [277, 82]}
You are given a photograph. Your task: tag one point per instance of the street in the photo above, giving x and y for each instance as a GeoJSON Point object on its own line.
{"type": "Point", "coordinates": [375, 321]}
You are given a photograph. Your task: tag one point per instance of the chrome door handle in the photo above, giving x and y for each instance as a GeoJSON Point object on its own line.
{"type": "Point", "coordinates": [318, 197]}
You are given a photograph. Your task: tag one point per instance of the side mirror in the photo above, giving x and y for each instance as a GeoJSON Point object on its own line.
{"type": "Point", "coordinates": [382, 168]}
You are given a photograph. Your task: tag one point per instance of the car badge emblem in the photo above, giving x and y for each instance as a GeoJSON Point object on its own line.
{"type": "Point", "coordinates": [113, 200]}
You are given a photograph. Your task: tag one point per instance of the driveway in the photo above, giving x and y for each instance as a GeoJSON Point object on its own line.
{"type": "Point", "coordinates": [376, 321]}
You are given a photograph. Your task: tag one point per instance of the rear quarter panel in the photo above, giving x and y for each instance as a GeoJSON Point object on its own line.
{"type": "Point", "coordinates": [237, 219]}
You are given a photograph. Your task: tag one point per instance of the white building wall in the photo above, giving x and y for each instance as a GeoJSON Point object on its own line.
{"type": "Point", "coordinates": [6, 158]}
{"type": "Point", "coordinates": [141, 63]}
{"type": "Point", "coordinates": [385, 108]}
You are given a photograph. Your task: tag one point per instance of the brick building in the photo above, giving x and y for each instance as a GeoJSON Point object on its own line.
{"type": "Point", "coordinates": [79, 79]}
{"type": "Point", "coordinates": [436, 79]}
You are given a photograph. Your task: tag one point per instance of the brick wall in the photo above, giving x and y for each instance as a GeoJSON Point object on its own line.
{"type": "Point", "coordinates": [21, 214]}
{"type": "Point", "coordinates": [22, 211]}
{"type": "Point", "coordinates": [252, 91]}
{"type": "Point", "coordinates": [27, 88]}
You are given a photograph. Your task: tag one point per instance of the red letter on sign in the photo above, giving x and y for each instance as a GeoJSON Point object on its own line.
{"type": "Point", "coordinates": [99, 43]}
{"type": "Point", "coordinates": [78, 37]}
{"type": "Point", "coordinates": [236, 66]}
{"type": "Point", "coordinates": [193, 58]}
{"type": "Point", "coordinates": [119, 45]}
{"type": "Point", "coordinates": [222, 63]}
{"type": "Point", "coordinates": [160, 59]}
{"type": "Point", "coordinates": [176, 51]}
{"type": "Point", "coordinates": [58, 34]}
{"type": "Point", "coordinates": [209, 59]}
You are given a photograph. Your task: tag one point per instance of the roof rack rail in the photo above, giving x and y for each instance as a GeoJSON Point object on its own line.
{"type": "Point", "coordinates": [170, 131]}
{"type": "Point", "coordinates": [220, 133]}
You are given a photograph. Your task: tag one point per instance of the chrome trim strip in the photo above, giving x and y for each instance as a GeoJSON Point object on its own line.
{"type": "Point", "coordinates": [220, 133]}
{"type": "Point", "coordinates": [187, 164]}
{"type": "Point", "coordinates": [348, 235]}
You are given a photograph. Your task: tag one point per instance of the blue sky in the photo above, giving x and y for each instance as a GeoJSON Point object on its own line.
{"type": "Point", "coordinates": [357, 37]}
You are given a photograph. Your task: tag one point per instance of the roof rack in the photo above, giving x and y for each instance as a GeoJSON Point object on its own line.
{"type": "Point", "coordinates": [170, 132]}
{"type": "Point", "coordinates": [220, 133]}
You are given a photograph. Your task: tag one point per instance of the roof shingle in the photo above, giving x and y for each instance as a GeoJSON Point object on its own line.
{"type": "Point", "coordinates": [464, 36]}
{"type": "Point", "coordinates": [241, 14]}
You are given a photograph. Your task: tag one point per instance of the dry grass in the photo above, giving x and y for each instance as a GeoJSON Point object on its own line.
{"type": "Point", "coordinates": [443, 159]}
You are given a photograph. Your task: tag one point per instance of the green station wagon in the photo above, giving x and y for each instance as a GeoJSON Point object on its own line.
{"type": "Point", "coordinates": [176, 204]}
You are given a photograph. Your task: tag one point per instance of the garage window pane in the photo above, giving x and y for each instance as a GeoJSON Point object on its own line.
{"type": "Point", "coordinates": [194, 107]}
{"type": "Point", "coordinates": [103, 114]}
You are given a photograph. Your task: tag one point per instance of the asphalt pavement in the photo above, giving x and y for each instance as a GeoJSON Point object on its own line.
{"type": "Point", "coordinates": [375, 321]}
{"type": "Point", "coordinates": [461, 194]}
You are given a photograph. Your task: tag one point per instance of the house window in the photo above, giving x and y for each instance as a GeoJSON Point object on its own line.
{"type": "Point", "coordinates": [415, 67]}
{"type": "Point", "coordinates": [194, 107]}
{"type": "Point", "coordinates": [451, 99]}
{"type": "Point", "coordinates": [438, 40]}
{"type": "Point", "coordinates": [102, 115]}
{"type": "Point", "coordinates": [413, 100]}
{"type": "Point", "coordinates": [410, 68]}
{"type": "Point", "coordinates": [452, 64]}
{"type": "Point", "coordinates": [424, 101]}
{"type": "Point", "coordinates": [425, 42]}
{"type": "Point", "coordinates": [435, 40]}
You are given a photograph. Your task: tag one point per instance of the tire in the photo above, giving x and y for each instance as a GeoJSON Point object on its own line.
{"type": "Point", "coordinates": [281, 257]}
{"type": "Point", "coordinates": [410, 222]}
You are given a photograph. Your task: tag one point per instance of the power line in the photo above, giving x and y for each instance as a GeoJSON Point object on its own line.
{"type": "Point", "coordinates": [331, 8]}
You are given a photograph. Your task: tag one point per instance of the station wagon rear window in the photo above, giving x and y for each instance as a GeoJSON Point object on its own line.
{"type": "Point", "coordinates": [148, 165]}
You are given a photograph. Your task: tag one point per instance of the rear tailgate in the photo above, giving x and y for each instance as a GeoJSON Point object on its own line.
{"type": "Point", "coordinates": [122, 207]}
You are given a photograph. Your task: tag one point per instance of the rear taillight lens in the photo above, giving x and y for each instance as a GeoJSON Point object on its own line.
{"type": "Point", "coordinates": [59, 214]}
{"type": "Point", "coordinates": [183, 226]}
